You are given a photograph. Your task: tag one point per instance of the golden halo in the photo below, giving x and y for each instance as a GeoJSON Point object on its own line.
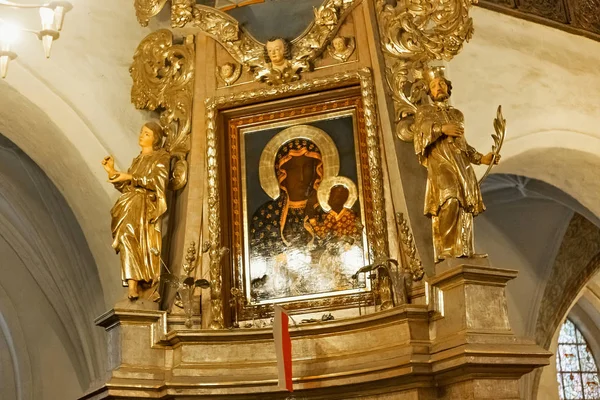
{"type": "Point", "coordinates": [325, 189]}
{"type": "Point", "coordinates": [266, 166]}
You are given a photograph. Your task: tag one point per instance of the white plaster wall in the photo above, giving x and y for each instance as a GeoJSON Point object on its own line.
{"type": "Point", "coordinates": [548, 83]}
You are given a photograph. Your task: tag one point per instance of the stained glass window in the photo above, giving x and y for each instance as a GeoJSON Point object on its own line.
{"type": "Point", "coordinates": [577, 371]}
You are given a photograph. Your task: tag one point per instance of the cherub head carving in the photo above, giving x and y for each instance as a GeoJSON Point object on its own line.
{"type": "Point", "coordinates": [229, 72]}
{"type": "Point", "coordinates": [341, 48]}
{"type": "Point", "coordinates": [339, 44]}
{"type": "Point", "coordinates": [278, 52]}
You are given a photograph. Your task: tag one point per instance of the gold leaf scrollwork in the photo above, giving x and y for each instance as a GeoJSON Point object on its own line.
{"type": "Point", "coordinates": [181, 12]}
{"type": "Point", "coordinates": [249, 52]}
{"type": "Point", "coordinates": [146, 9]}
{"type": "Point", "coordinates": [412, 34]}
{"type": "Point", "coordinates": [163, 75]}
{"type": "Point", "coordinates": [408, 248]}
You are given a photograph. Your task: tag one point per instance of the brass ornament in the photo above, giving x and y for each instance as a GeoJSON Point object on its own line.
{"type": "Point", "coordinates": [378, 237]}
{"type": "Point", "coordinates": [229, 73]}
{"type": "Point", "coordinates": [146, 9]}
{"type": "Point", "coordinates": [329, 154]}
{"type": "Point", "coordinates": [498, 137]}
{"type": "Point", "coordinates": [214, 216]}
{"type": "Point", "coordinates": [341, 48]}
{"type": "Point", "coordinates": [190, 259]}
{"type": "Point", "coordinates": [163, 77]}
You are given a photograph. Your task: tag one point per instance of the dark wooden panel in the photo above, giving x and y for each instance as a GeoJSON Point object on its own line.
{"type": "Point", "coordinates": [552, 9]}
{"type": "Point", "coordinates": [580, 17]}
{"type": "Point", "coordinates": [585, 14]}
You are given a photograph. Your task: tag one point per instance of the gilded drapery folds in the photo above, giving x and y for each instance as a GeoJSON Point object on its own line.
{"type": "Point", "coordinates": [452, 195]}
{"type": "Point", "coordinates": [163, 76]}
{"type": "Point", "coordinates": [136, 217]}
{"type": "Point", "coordinates": [413, 34]}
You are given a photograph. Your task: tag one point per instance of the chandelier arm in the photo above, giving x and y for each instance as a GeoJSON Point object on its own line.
{"type": "Point", "coordinates": [36, 33]}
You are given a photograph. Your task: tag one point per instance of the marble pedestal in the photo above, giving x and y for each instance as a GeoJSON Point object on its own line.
{"type": "Point", "coordinates": [454, 342]}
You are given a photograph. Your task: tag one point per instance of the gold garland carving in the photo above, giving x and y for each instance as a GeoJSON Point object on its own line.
{"type": "Point", "coordinates": [413, 33]}
{"type": "Point", "coordinates": [163, 78]}
{"type": "Point", "coordinates": [378, 235]}
{"type": "Point", "coordinates": [408, 248]}
{"type": "Point", "coordinates": [214, 216]}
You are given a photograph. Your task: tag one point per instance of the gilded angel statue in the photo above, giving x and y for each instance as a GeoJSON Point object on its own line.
{"type": "Point", "coordinates": [453, 194]}
{"type": "Point", "coordinates": [137, 214]}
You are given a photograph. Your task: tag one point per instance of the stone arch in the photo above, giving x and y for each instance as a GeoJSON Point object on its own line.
{"type": "Point", "coordinates": [49, 131]}
{"type": "Point", "coordinates": [51, 290]}
{"type": "Point", "coordinates": [576, 263]}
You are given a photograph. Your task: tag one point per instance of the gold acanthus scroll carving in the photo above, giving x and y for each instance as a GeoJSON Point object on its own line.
{"type": "Point", "coordinates": [297, 55]}
{"type": "Point", "coordinates": [413, 33]}
{"type": "Point", "coordinates": [163, 77]}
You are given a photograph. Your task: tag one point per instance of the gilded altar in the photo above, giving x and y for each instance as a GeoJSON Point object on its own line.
{"type": "Point", "coordinates": [290, 184]}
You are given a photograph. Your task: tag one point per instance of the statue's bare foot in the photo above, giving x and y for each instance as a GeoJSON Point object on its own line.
{"type": "Point", "coordinates": [132, 291]}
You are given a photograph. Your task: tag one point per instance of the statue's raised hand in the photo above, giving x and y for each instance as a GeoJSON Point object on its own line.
{"type": "Point", "coordinates": [108, 163]}
{"type": "Point", "coordinates": [487, 159]}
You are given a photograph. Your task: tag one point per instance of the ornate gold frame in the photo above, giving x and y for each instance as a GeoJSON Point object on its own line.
{"type": "Point", "coordinates": [377, 233]}
{"type": "Point", "coordinates": [290, 117]}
